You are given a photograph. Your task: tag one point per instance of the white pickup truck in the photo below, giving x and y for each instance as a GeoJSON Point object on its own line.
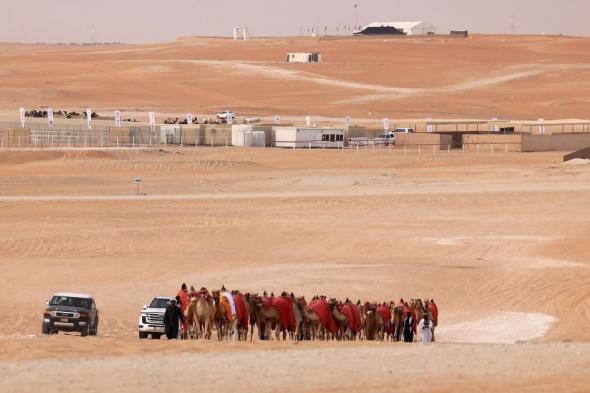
{"type": "Point", "coordinates": [151, 318]}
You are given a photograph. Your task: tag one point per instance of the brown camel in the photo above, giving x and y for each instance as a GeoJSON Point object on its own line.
{"type": "Point", "coordinates": [398, 322]}
{"type": "Point", "coordinates": [341, 321]}
{"type": "Point", "coordinates": [203, 312]}
{"type": "Point", "coordinates": [311, 321]}
{"type": "Point", "coordinates": [370, 323]}
{"type": "Point", "coordinates": [251, 300]}
{"type": "Point", "coordinates": [221, 322]}
{"type": "Point", "coordinates": [269, 318]}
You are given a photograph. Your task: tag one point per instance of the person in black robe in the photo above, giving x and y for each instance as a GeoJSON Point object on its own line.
{"type": "Point", "coordinates": [172, 316]}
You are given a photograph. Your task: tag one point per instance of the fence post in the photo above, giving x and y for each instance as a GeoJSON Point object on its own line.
{"type": "Point", "coordinates": [507, 148]}
{"type": "Point", "coordinates": [449, 149]}
{"type": "Point", "coordinates": [19, 141]}
{"type": "Point", "coordinates": [419, 149]}
{"type": "Point", "coordinates": [357, 149]}
{"type": "Point", "coordinates": [132, 142]}
{"type": "Point", "coordinates": [309, 146]}
{"type": "Point", "coordinates": [477, 146]}
{"type": "Point", "coordinates": [492, 147]}
{"type": "Point", "coordinates": [433, 149]}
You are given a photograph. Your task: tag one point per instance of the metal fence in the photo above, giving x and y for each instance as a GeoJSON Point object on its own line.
{"type": "Point", "coordinates": [76, 136]}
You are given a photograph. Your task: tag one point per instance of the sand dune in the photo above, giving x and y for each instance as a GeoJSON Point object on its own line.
{"type": "Point", "coordinates": [368, 78]}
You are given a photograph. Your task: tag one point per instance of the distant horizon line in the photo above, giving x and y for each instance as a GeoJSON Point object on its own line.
{"type": "Point", "coordinates": [319, 37]}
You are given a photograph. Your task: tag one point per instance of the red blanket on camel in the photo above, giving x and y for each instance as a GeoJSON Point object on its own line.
{"type": "Point", "coordinates": [285, 306]}
{"type": "Point", "coordinates": [353, 314]}
{"type": "Point", "coordinates": [242, 316]}
{"type": "Point", "coordinates": [322, 309]}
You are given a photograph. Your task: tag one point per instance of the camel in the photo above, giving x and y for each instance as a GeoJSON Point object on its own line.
{"type": "Point", "coordinates": [251, 306]}
{"type": "Point", "coordinates": [189, 316]}
{"type": "Point", "coordinates": [312, 326]}
{"type": "Point", "coordinates": [269, 318]}
{"type": "Point", "coordinates": [398, 322]}
{"type": "Point", "coordinates": [370, 323]}
{"type": "Point", "coordinates": [419, 309]}
{"type": "Point", "coordinates": [221, 322]}
{"type": "Point", "coordinates": [203, 313]}
{"type": "Point", "coordinates": [298, 334]}
{"type": "Point", "coordinates": [342, 327]}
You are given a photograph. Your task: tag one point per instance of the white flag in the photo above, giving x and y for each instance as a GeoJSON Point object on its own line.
{"type": "Point", "coordinates": [89, 117]}
{"type": "Point", "coordinates": [386, 124]}
{"type": "Point", "coordinates": [50, 117]}
{"type": "Point", "coordinates": [117, 119]}
{"type": "Point", "coordinates": [308, 121]}
{"type": "Point", "coordinates": [348, 121]}
{"type": "Point", "coordinates": [189, 118]}
{"type": "Point", "coordinates": [152, 119]}
{"type": "Point", "coordinates": [22, 117]}
{"type": "Point", "coordinates": [428, 125]}
{"type": "Point", "coordinates": [277, 119]}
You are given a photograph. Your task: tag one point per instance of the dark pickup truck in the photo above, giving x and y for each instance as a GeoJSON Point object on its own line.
{"type": "Point", "coordinates": [70, 312]}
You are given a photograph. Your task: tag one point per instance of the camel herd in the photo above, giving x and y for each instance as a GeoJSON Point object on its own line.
{"type": "Point", "coordinates": [234, 316]}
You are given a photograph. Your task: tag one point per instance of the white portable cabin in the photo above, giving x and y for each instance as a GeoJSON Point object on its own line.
{"type": "Point", "coordinates": [294, 137]}
{"type": "Point", "coordinates": [304, 57]}
{"type": "Point", "coordinates": [244, 135]}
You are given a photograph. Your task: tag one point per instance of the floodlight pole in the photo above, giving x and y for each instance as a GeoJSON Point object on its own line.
{"type": "Point", "coordinates": [356, 16]}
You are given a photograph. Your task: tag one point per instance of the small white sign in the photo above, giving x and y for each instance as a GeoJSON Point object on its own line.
{"type": "Point", "coordinates": [494, 127]}
{"type": "Point", "coordinates": [308, 121]}
{"type": "Point", "coordinates": [50, 117]}
{"type": "Point", "coordinates": [429, 127]}
{"type": "Point", "coordinates": [189, 118]}
{"type": "Point", "coordinates": [117, 119]}
{"type": "Point", "coordinates": [386, 124]}
{"type": "Point", "coordinates": [277, 119]}
{"type": "Point", "coordinates": [22, 113]}
{"type": "Point", "coordinates": [347, 121]}
{"type": "Point", "coordinates": [89, 117]}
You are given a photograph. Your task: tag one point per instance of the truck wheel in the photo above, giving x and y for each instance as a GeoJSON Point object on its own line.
{"type": "Point", "coordinates": [45, 328]}
{"type": "Point", "coordinates": [84, 331]}
{"type": "Point", "coordinates": [156, 336]}
{"type": "Point", "coordinates": [94, 330]}
{"type": "Point", "coordinates": [142, 335]}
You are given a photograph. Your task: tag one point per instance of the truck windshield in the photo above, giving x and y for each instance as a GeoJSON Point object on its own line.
{"type": "Point", "coordinates": [68, 301]}
{"type": "Point", "coordinates": [159, 303]}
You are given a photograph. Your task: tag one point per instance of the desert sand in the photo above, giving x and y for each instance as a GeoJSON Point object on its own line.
{"type": "Point", "coordinates": [498, 239]}
{"type": "Point", "coordinates": [508, 77]}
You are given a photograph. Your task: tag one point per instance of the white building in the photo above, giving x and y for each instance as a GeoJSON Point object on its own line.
{"type": "Point", "coordinates": [408, 28]}
{"type": "Point", "coordinates": [304, 57]}
{"type": "Point", "coordinates": [244, 135]}
{"type": "Point", "coordinates": [294, 137]}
